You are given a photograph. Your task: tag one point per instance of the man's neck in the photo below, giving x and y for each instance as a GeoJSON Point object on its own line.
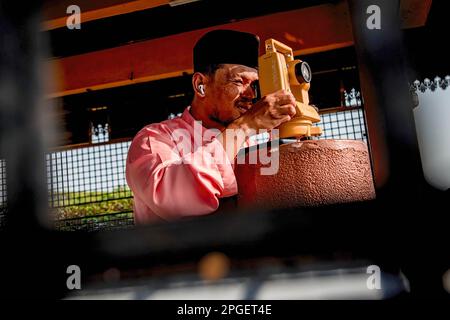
{"type": "Point", "coordinates": [199, 114]}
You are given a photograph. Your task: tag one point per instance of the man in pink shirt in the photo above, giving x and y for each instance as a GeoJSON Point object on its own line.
{"type": "Point", "coordinates": [183, 166]}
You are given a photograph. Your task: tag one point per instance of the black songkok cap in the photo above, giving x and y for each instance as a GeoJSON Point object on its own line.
{"type": "Point", "coordinates": [226, 46]}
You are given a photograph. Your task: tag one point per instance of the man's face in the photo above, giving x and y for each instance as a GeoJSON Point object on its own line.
{"type": "Point", "coordinates": [231, 92]}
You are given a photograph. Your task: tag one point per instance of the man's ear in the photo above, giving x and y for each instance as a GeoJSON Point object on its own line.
{"type": "Point", "coordinates": [199, 81]}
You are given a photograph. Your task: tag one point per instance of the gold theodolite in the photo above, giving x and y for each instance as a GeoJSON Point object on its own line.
{"type": "Point", "coordinates": [278, 70]}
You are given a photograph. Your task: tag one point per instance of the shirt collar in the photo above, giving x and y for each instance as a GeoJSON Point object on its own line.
{"type": "Point", "coordinates": [187, 116]}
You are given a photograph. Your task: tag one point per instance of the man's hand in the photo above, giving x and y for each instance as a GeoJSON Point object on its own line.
{"type": "Point", "coordinates": [268, 113]}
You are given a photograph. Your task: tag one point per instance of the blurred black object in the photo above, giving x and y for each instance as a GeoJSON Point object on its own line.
{"type": "Point", "coordinates": [28, 257]}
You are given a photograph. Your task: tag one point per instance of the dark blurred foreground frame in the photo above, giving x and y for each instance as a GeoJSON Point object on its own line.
{"type": "Point", "coordinates": [388, 231]}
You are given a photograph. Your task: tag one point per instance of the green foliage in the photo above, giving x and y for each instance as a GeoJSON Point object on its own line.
{"type": "Point", "coordinates": [87, 204]}
{"type": "Point", "coordinates": [93, 223]}
{"type": "Point", "coordinates": [76, 198]}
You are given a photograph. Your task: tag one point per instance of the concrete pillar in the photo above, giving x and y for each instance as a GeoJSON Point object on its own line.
{"type": "Point", "coordinates": [310, 173]}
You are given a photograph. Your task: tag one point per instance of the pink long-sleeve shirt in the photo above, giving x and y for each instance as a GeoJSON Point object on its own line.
{"type": "Point", "coordinates": [176, 168]}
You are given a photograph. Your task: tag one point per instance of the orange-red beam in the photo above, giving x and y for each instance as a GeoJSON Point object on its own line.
{"type": "Point", "coordinates": [55, 12]}
{"type": "Point", "coordinates": [414, 13]}
{"type": "Point", "coordinates": [306, 30]}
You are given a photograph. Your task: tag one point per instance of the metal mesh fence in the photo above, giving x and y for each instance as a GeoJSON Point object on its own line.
{"type": "Point", "coordinates": [344, 124]}
{"type": "Point", "coordinates": [87, 187]}
{"type": "Point", "coordinates": [96, 222]}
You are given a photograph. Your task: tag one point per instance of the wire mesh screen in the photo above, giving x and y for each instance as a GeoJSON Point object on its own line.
{"type": "Point", "coordinates": [346, 124]}
{"type": "Point", "coordinates": [2, 192]}
{"type": "Point", "coordinates": [87, 187]}
{"type": "Point", "coordinates": [96, 222]}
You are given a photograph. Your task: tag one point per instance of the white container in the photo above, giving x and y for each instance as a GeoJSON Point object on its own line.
{"type": "Point", "coordinates": [432, 118]}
